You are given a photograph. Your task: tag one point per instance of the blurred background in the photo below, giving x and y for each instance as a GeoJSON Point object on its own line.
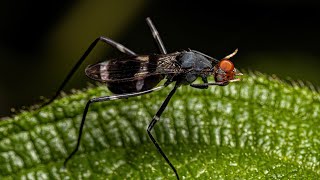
{"type": "Point", "coordinates": [41, 41]}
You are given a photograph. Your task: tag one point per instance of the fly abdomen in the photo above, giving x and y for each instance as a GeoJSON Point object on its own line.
{"type": "Point", "coordinates": [127, 75]}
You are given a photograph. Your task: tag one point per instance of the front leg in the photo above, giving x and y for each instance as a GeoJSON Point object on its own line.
{"type": "Point", "coordinates": [201, 86]}
{"type": "Point", "coordinates": [206, 85]}
{"type": "Point", "coordinates": [205, 81]}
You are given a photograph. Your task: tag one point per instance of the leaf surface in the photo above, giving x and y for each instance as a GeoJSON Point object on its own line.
{"type": "Point", "coordinates": [260, 127]}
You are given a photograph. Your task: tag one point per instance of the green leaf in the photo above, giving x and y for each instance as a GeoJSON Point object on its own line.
{"type": "Point", "coordinates": [259, 128]}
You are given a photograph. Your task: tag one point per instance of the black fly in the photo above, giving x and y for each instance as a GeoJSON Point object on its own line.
{"type": "Point", "coordinates": [135, 75]}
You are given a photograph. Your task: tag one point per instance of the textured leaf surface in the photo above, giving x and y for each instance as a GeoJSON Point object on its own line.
{"type": "Point", "coordinates": [257, 128]}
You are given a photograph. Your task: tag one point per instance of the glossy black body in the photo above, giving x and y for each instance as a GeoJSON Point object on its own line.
{"type": "Point", "coordinates": [143, 72]}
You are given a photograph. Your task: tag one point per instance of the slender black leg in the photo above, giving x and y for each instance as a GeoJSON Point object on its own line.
{"type": "Point", "coordinates": [201, 86]}
{"type": "Point", "coordinates": [114, 44]}
{"type": "Point", "coordinates": [156, 36]}
{"type": "Point", "coordinates": [206, 85]}
{"type": "Point", "coordinates": [154, 120]}
{"type": "Point", "coordinates": [101, 99]}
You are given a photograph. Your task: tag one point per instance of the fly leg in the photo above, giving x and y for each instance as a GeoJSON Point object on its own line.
{"type": "Point", "coordinates": [156, 36]}
{"type": "Point", "coordinates": [109, 41]}
{"type": "Point", "coordinates": [206, 85]}
{"type": "Point", "coordinates": [154, 120]}
{"type": "Point", "coordinates": [102, 99]}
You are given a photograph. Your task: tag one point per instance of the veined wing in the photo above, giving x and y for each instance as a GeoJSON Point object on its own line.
{"type": "Point", "coordinates": [132, 68]}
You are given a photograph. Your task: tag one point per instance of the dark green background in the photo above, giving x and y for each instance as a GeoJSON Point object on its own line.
{"type": "Point", "coordinates": [40, 41]}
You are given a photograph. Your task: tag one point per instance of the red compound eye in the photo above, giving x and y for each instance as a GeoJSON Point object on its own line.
{"type": "Point", "coordinates": [226, 65]}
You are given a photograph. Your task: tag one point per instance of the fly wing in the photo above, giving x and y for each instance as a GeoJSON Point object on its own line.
{"type": "Point", "coordinates": [129, 68]}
